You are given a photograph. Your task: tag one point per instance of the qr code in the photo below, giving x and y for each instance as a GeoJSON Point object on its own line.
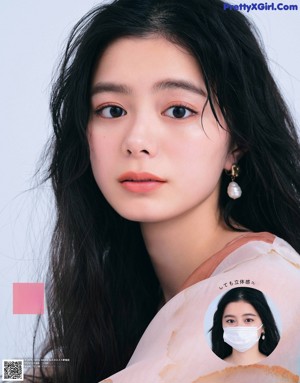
{"type": "Point", "coordinates": [12, 370]}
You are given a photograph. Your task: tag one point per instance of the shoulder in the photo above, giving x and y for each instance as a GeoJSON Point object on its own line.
{"type": "Point", "coordinates": [245, 248]}
{"type": "Point", "coordinates": [270, 251]}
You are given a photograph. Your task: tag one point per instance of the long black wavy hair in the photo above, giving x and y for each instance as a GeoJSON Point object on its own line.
{"type": "Point", "coordinates": [102, 291]}
{"type": "Point", "coordinates": [255, 298]}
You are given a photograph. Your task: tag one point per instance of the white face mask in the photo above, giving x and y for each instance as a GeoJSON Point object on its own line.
{"type": "Point", "coordinates": [241, 338]}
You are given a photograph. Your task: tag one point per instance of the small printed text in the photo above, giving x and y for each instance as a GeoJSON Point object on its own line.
{"type": "Point", "coordinates": [260, 7]}
{"type": "Point", "coordinates": [237, 282]}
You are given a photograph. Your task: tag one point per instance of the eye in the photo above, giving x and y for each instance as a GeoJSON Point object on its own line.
{"type": "Point", "coordinates": [179, 111]}
{"type": "Point", "coordinates": [249, 320]}
{"type": "Point", "coordinates": [110, 111]}
{"type": "Point", "coordinates": [229, 321]}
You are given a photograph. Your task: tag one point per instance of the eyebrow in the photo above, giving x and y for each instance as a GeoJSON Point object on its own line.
{"type": "Point", "coordinates": [233, 316]}
{"type": "Point", "coordinates": [179, 84]}
{"type": "Point", "coordinates": [103, 87]}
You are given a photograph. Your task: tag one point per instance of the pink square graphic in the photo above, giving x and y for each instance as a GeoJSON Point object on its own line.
{"type": "Point", "coordinates": [28, 298]}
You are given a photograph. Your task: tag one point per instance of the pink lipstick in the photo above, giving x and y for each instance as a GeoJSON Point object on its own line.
{"type": "Point", "coordinates": [140, 182]}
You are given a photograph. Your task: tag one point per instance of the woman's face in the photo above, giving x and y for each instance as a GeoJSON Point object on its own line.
{"type": "Point", "coordinates": [151, 157]}
{"type": "Point", "coordinates": [241, 313]}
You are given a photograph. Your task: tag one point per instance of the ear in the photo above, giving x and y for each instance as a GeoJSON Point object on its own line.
{"type": "Point", "coordinates": [233, 157]}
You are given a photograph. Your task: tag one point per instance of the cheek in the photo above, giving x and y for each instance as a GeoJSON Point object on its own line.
{"type": "Point", "coordinates": [101, 145]}
{"type": "Point", "coordinates": [203, 158]}
{"type": "Point", "coordinates": [101, 150]}
{"type": "Point", "coordinates": [95, 140]}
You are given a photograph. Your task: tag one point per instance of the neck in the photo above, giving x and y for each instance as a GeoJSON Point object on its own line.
{"type": "Point", "coordinates": [244, 358]}
{"type": "Point", "coordinates": [178, 246]}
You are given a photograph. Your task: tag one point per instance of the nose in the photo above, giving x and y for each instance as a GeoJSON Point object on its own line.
{"type": "Point", "coordinates": [140, 139]}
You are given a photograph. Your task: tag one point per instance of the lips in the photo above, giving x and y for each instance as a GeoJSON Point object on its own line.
{"type": "Point", "coordinates": [139, 177]}
{"type": "Point", "coordinates": [140, 182]}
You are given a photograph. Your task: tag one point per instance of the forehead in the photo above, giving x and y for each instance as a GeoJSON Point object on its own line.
{"type": "Point", "coordinates": [239, 308]}
{"type": "Point", "coordinates": [132, 59]}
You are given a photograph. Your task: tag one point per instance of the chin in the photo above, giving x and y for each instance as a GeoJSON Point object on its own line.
{"type": "Point", "coordinates": [140, 215]}
{"type": "Point", "coordinates": [136, 217]}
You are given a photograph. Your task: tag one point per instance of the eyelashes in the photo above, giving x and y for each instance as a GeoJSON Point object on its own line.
{"type": "Point", "coordinates": [233, 321]}
{"type": "Point", "coordinates": [110, 111]}
{"type": "Point", "coordinates": [177, 111]}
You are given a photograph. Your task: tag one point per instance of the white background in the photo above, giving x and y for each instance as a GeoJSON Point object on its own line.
{"type": "Point", "coordinates": [32, 34]}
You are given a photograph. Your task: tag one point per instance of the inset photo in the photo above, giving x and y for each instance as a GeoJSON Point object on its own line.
{"type": "Point", "coordinates": [242, 326]}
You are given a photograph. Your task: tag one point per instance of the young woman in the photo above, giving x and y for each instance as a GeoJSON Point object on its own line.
{"type": "Point", "coordinates": [164, 113]}
{"type": "Point", "coordinates": [244, 330]}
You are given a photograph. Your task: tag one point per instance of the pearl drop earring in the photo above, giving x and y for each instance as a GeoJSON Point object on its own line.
{"type": "Point", "coordinates": [234, 191]}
